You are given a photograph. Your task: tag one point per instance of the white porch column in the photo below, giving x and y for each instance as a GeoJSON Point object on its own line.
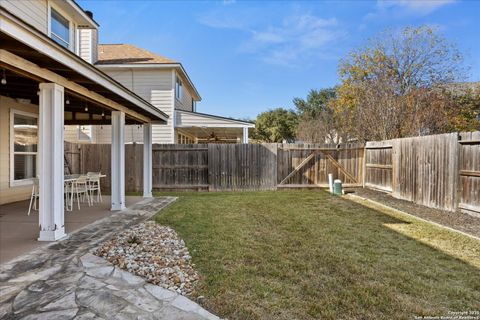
{"type": "Point", "coordinates": [245, 135]}
{"type": "Point", "coordinates": [147, 160]}
{"type": "Point", "coordinates": [118, 160]}
{"type": "Point", "coordinates": [50, 151]}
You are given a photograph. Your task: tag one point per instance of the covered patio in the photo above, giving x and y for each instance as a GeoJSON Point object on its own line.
{"type": "Point", "coordinates": [19, 231]}
{"type": "Point", "coordinates": [207, 128]}
{"type": "Point", "coordinates": [44, 87]}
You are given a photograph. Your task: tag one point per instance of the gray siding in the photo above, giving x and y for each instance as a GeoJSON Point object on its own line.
{"type": "Point", "coordinates": [33, 12]}
{"type": "Point", "coordinates": [156, 87]}
{"type": "Point", "coordinates": [185, 102]}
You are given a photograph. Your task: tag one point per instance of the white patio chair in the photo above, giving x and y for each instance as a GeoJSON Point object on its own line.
{"type": "Point", "coordinates": [80, 189]}
{"type": "Point", "coordinates": [68, 193]}
{"type": "Point", "coordinates": [94, 186]}
{"type": "Point", "coordinates": [34, 196]}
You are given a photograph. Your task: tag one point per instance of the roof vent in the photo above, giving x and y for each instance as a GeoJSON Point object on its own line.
{"type": "Point", "coordinates": [89, 13]}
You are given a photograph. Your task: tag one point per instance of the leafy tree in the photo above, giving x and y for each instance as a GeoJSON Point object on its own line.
{"type": "Point", "coordinates": [318, 121]}
{"type": "Point", "coordinates": [316, 102]}
{"type": "Point", "coordinates": [275, 126]}
{"type": "Point", "coordinates": [464, 111]}
{"type": "Point", "coordinates": [388, 85]}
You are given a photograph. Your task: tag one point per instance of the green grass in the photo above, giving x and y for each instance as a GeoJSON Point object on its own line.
{"type": "Point", "coordinates": [310, 255]}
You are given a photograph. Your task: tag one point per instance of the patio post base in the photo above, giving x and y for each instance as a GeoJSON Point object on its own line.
{"type": "Point", "coordinates": [118, 207]}
{"type": "Point", "coordinates": [48, 235]}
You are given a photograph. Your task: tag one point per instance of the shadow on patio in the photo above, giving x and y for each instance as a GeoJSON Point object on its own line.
{"type": "Point", "coordinates": [19, 232]}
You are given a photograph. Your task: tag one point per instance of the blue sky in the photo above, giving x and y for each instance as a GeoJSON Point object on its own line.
{"type": "Point", "coordinates": [246, 57]}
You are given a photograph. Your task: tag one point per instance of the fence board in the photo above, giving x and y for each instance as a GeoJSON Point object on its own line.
{"type": "Point", "coordinates": [469, 177]}
{"type": "Point", "coordinates": [378, 165]}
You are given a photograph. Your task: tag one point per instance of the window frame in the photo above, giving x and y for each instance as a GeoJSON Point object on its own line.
{"type": "Point", "coordinates": [71, 27]}
{"type": "Point", "coordinates": [178, 88]}
{"type": "Point", "coordinates": [80, 132]}
{"type": "Point", "coordinates": [28, 181]}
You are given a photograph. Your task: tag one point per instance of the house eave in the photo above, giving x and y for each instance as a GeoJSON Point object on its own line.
{"type": "Point", "coordinates": [177, 66]}
{"type": "Point", "coordinates": [17, 29]}
{"type": "Point", "coordinates": [240, 123]}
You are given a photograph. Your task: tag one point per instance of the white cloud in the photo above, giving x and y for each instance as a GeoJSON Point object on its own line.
{"type": "Point", "coordinates": [296, 38]}
{"type": "Point", "coordinates": [388, 9]}
{"type": "Point", "coordinates": [417, 6]}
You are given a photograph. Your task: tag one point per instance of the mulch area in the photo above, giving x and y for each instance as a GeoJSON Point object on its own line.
{"type": "Point", "coordinates": [456, 220]}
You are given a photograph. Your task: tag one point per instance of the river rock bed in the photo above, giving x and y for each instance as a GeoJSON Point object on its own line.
{"type": "Point", "coordinates": [155, 253]}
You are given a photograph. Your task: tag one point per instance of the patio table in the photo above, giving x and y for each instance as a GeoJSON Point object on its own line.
{"type": "Point", "coordinates": [72, 178]}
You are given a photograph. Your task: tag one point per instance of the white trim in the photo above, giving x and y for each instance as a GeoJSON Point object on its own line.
{"type": "Point", "coordinates": [147, 160]}
{"type": "Point", "coordinates": [174, 116]}
{"type": "Point", "coordinates": [51, 162]}
{"type": "Point", "coordinates": [118, 161]}
{"type": "Point", "coordinates": [240, 123]}
{"type": "Point", "coordinates": [12, 153]}
{"type": "Point", "coordinates": [71, 26]}
{"type": "Point", "coordinates": [82, 13]}
{"type": "Point", "coordinates": [37, 40]}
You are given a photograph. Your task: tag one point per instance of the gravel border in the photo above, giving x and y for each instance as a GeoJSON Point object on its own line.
{"type": "Point", "coordinates": [455, 220]}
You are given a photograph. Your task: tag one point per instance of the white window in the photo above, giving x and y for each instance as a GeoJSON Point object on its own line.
{"type": "Point", "coordinates": [178, 88]}
{"type": "Point", "coordinates": [85, 133]}
{"type": "Point", "coordinates": [23, 147]}
{"type": "Point", "coordinates": [59, 28]}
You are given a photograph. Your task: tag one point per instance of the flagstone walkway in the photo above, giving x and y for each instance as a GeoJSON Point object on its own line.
{"type": "Point", "coordinates": [65, 281]}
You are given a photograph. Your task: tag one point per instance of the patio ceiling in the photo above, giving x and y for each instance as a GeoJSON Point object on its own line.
{"type": "Point", "coordinates": [33, 58]}
{"type": "Point", "coordinates": [204, 134]}
{"type": "Point", "coordinates": [25, 89]}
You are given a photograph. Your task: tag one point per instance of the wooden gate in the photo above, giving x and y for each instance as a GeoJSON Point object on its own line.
{"type": "Point", "coordinates": [309, 165]}
{"type": "Point", "coordinates": [469, 172]}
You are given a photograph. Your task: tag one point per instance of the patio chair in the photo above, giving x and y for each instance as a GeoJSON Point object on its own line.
{"type": "Point", "coordinates": [34, 196]}
{"type": "Point", "coordinates": [80, 189]}
{"type": "Point", "coordinates": [94, 186]}
{"type": "Point", "coordinates": [68, 193]}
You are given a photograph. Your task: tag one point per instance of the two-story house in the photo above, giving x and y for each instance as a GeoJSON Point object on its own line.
{"type": "Point", "coordinates": [48, 81]}
{"type": "Point", "coordinates": [166, 84]}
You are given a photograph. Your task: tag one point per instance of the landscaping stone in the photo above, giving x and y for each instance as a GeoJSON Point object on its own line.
{"type": "Point", "coordinates": [153, 252]}
{"type": "Point", "coordinates": [68, 282]}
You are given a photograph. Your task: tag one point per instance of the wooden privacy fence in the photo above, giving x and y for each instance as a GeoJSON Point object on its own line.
{"type": "Point", "coordinates": [218, 167]}
{"type": "Point", "coordinates": [439, 171]}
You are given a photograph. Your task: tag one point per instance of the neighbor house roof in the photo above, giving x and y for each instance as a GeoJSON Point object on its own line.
{"type": "Point", "coordinates": [128, 54]}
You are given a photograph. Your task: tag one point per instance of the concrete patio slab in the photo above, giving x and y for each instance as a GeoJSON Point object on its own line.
{"type": "Point", "coordinates": [19, 232]}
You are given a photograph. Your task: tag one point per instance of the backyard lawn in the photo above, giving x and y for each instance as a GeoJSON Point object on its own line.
{"type": "Point", "coordinates": [310, 255]}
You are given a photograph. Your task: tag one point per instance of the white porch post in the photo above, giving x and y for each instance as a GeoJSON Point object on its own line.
{"type": "Point", "coordinates": [50, 151]}
{"type": "Point", "coordinates": [147, 160]}
{"type": "Point", "coordinates": [118, 160]}
{"type": "Point", "coordinates": [245, 135]}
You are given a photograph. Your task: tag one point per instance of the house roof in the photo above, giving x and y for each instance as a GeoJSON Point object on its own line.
{"type": "Point", "coordinates": [128, 54]}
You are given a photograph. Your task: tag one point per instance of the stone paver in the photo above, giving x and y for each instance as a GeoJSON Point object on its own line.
{"type": "Point", "coordinates": [65, 281]}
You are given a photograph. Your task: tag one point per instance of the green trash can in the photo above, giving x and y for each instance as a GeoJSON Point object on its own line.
{"type": "Point", "coordinates": [337, 187]}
